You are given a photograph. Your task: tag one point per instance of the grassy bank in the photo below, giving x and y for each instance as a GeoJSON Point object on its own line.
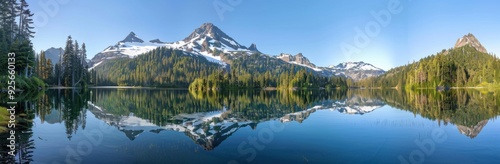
{"type": "Point", "coordinates": [4, 119]}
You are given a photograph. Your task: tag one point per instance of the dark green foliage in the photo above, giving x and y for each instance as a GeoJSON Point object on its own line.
{"type": "Point", "coordinates": [161, 106]}
{"type": "Point", "coordinates": [461, 107]}
{"type": "Point", "coordinates": [262, 71]}
{"type": "Point", "coordinates": [161, 67]}
{"type": "Point", "coordinates": [73, 66]}
{"type": "Point", "coordinates": [165, 67]}
{"type": "Point", "coordinates": [15, 34]}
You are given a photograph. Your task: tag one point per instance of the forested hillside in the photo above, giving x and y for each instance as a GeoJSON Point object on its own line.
{"type": "Point", "coordinates": [164, 67]}
{"type": "Point", "coordinates": [161, 67]}
{"type": "Point", "coordinates": [457, 67]}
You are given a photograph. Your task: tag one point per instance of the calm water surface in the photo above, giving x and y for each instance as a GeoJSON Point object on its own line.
{"type": "Point", "coordinates": [175, 126]}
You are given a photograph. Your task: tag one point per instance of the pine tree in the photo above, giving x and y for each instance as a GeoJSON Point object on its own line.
{"type": "Point", "coordinates": [67, 63]}
{"type": "Point", "coordinates": [48, 70]}
{"type": "Point", "coordinates": [75, 62]}
{"type": "Point", "coordinates": [8, 17]}
{"type": "Point", "coordinates": [25, 21]}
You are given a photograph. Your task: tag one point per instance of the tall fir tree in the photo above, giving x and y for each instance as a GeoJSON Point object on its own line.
{"type": "Point", "coordinates": [67, 63]}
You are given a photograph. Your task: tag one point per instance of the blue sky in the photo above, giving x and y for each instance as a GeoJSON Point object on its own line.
{"type": "Point", "coordinates": [319, 29]}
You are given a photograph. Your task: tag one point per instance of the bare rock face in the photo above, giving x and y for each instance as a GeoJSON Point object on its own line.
{"type": "Point", "coordinates": [297, 59]}
{"type": "Point", "coordinates": [131, 37]}
{"type": "Point", "coordinates": [473, 131]}
{"type": "Point", "coordinates": [472, 41]}
{"type": "Point", "coordinates": [157, 41]}
{"type": "Point", "coordinates": [253, 47]}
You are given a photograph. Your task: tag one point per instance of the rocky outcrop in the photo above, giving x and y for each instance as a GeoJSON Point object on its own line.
{"type": "Point", "coordinates": [472, 131]}
{"type": "Point", "coordinates": [131, 37]}
{"type": "Point", "coordinates": [472, 41]}
{"type": "Point", "coordinates": [297, 59]}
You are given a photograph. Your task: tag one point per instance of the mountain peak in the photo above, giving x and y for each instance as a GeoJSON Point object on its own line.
{"type": "Point", "coordinates": [131, 37]}
{"type": "Point", "coordinates": [207, 25]}
{"type": "Point", "coordinates": [472, 41]}
{"type": "Point", "coordinates": [156, 41]}
{"type": "Point", "coordinates": [253, 47]}
{"type": "Point", "coordinates": [209, 31]}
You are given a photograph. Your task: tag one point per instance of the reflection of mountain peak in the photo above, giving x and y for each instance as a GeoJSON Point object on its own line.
{"type": "Point", "coordinates": [300, 116]}
{"type": "Point", "coordinates": [358, 105]}
{"type": "Point", "coordinates": [132, 134]}
{"type": "Point", "coordinates": [200, 127]}
{"type": "Point", "coordinates": [473, 131]}
{"type": "Point", "coordinates": [358, 109]}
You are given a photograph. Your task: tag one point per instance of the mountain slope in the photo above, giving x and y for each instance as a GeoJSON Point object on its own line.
{"type": "Point", "coordinates": [162, 67]}
{"type": "Point", "coordinates": [465, 65]}
{"type": "Point", "coordinates": [54, 54]}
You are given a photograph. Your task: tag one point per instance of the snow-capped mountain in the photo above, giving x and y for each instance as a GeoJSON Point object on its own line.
{"type": "Point", "coordinates": [207, 40]}
{"type": "Point", "coordinates": [356, 70]}
{"type": "Point", "coordinates": [131, 46]}
{"type": "Point", "coordinates": [353, 70]}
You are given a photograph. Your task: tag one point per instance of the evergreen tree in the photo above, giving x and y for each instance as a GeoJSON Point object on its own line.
{"type": "Point", "coordinates": [67, 63]}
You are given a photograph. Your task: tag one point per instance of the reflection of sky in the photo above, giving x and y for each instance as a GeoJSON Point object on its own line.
{"type": "Point", "coordinates": [315, 28]}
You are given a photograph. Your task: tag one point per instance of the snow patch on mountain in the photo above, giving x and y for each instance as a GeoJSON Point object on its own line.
{"type": "Point", "coordinates": [95, 65]}
{"type": "Point", "coordinates": [313, 68]}
{"type": "Point", "coordinates": [359, 66]}
{"type": "Point", "coordinates": [356, 70]}
{"type": "Point", "coordinates": [132, 49]}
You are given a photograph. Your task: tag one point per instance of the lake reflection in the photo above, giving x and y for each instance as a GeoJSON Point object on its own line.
{"type": "Point", "coordinates": [176, 126]}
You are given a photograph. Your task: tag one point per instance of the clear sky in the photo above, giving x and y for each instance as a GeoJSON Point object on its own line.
{"type": "Point", "coordinates": [325, 31]}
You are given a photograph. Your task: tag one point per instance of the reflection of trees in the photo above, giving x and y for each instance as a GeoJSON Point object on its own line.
{"type": "Point", "coordinates": [465, 108]}
{"type": "Point", "coordinates": [23, 130]}
{"type": "Point", "coordinates": [257, 105]}
{"type": "Point", "coordinates": [74, 109]}
{"type": "Point", "coordinates": [68, 104]}
{"type": "Point", "coordinates": [156, 106]}
{"type": "Point", "coordinates": [185, 110]}
{"type": "Point", "coordinates": [160, 106]}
